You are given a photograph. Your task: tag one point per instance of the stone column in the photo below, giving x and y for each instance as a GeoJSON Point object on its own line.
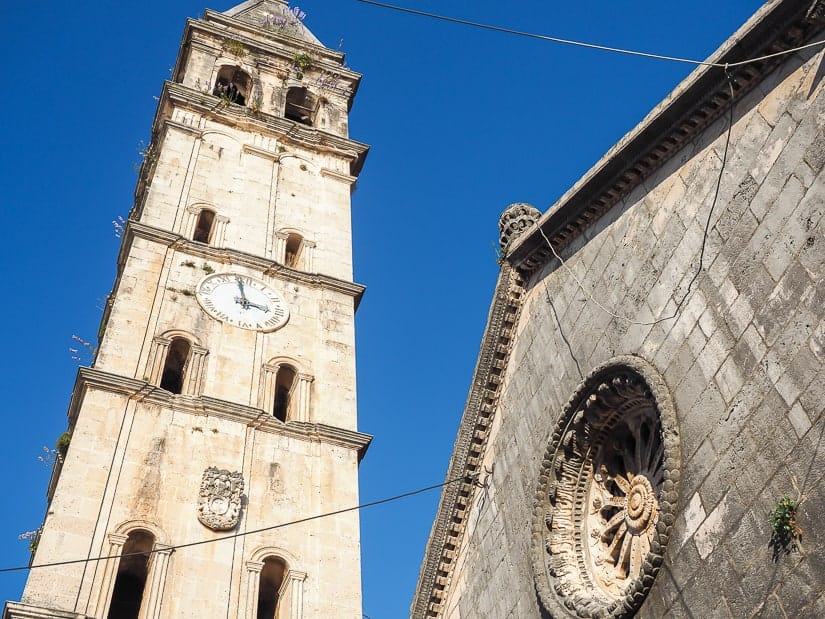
{"type": "Point", "coordinates": [302, 397]}
{"type": "Point", "coordinates": [160, 346]}
{"type": "Point", "coordinates": [187, 226]}
{"type": "Point", "coordinates": [219, 231]}
{"type": "Point", "coordinates": [110, 566]}
{"type": "Point", "coordinates": [308, 256]}
{"type": "Point", "coordinates": [266, 392]}
{"type": "Point", "coordinates": [279, 251]}
{"type": "Point", "coordinates": [156, 581]}
{"type": "Point", "coordinates": [295, 582]}
{"type": "Point", "coordinates": [194, 373]}
{"type": "Point", "coordinates": [253, 581]}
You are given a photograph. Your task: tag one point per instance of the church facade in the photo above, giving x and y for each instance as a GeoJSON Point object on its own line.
{"type": "Point", "coordinates": [644, 433]}
{"type": "Point", "coordinates": [222, 397]}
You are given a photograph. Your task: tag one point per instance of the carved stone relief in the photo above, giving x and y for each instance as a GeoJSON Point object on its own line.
{"type": "Point", "coordinates": [219, 501]}
{"type": "Point", "coordinates": [513, 222]}
{"type": "Point", "coordinates": [607, 494]}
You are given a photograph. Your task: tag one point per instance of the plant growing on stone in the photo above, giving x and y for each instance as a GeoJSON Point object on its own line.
{"type": "Point", "coordinates": [784, 526]}
{"type": "Point", "coordinates": [234, 47]}
{"type": "Point", "coordinates": [301, 62]}
{"type": "Point", "coordinates": [33, 538]}
{"type": "Point", "coordinates": [62, 443]}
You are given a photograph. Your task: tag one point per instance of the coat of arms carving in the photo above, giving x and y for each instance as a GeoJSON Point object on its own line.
{"type": "Point", "coordinates": [219, 501]}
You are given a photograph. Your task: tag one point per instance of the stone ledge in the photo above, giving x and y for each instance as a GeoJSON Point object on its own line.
{"type": "Point", "coordinates": [17, 610]}
{"type": "Point", "coordinates": [685, 113]}
{"type": "Point", "coordinates": [207, 406]}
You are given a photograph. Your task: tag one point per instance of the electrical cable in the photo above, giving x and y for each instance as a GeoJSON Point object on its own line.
{"type": "Point", "coordinates": [605, 48]}
{"type": "Point", "coordinates": [397, 497]}
{"type": "Point", "coordinates": [701, 251]}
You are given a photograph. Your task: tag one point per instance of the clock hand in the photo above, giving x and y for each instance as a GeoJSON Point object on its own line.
{"type": "Point", "coordinates": [240, 287]}
{"type": "Point", "coordinates": [246, 304]}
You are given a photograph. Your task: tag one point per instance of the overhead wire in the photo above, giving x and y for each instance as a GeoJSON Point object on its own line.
{"type": "Point", "coordinates": [619, 50]}
{"type": "Point", "coordinates": [705, 234]}
{"type": "Point", "coordinates": [584, 44]}
{"type": "Point", "coordinates": [397, 497]}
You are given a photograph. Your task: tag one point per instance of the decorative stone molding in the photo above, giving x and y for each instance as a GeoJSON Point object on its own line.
{"type": "Point", "coordinates": [607, 493]}
{"type": "Point", "coordinates": [219, 499]}
{"type": "Point", "coordinates": [90, 378]}
{"type": "Point", "coordinates": [231, 257]}
{"type": "Point", "coordinates": [299, 398]}
{"type": "Point", "coordinates": [16, 610]}
{"type": "Point", "coordinates": [451, 517]}
{"type": "Point", "coordinates": [194, 370]}
{"type": "Point", "coordinates": [155, 580]}
{"type": "Point", "coordinates": [702, 98]}
{"type": "Point", "coordinates": [306, 259]}
{"type": "Point", "coordinates": [291, 593]}
{"type": "Point", "coordinates": [515, 219]}
{"type": "Point", "coordinates": [190, 219]}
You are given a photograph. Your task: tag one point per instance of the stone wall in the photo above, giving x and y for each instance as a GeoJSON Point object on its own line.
{"type": "Point", "coordinates": [743, 360]}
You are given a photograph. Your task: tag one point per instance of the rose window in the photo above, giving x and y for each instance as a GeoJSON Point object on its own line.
{"type": "Point", "coordinates": [607, 494]}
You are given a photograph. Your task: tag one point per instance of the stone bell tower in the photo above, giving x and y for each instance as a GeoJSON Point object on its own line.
{"type": "Point", "coordinates": [222, 398]}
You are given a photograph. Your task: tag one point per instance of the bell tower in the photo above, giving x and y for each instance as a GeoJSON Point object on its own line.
{"type": "Point", "coordinates": [222, 399]}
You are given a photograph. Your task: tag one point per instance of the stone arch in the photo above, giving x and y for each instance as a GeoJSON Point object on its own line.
{"type": "Point", "coordinates": [171, 367]}
{"type": "Point", "coordinates": [286, 390]}
{"type": "Point", "coordinates": [294, 249]}
{"type": "Point", "coordinates": [607, 493]}
{"type": "Point", "coordinates": [192, 221]}
{"type": "Point", "coordinates": [128, 526]}
{"type": "Point", "coordinates": [275, 587]}
{"type": "Point", "coordinates": [134, 574]}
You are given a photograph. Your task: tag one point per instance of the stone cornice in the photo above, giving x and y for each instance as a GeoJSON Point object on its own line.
{"type": "Point", "coordinates": [286, 131]}
{"type": "Point", "coordinates": [143, 391]}
{"type": "Point", "coordinates": [444, 540]}
{"type": "Point", "coordinates": [273, 42]}
{"type": "Point", "coordinates": [234, 257]}
{"type": "Point", "coordinates": [696, 103]}
{"type": "Point", "coordinates": [16, 610]}
{"type": "Point", "coordinates": [269, 43]}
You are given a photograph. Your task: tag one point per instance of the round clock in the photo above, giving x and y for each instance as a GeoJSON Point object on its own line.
{"type": "Point", "coordinates": [242, 301]}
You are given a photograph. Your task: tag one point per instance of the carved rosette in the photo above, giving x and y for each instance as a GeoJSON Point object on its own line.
{"type": "Point", "coordinates": [515, 219]}
{"type": "Point", "coordinates": [219, 500]}
{"type": "Point", "coordinates": [607, 494]}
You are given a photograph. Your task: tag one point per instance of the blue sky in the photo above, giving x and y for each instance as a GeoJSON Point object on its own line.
{"type": "Point", "coordinates": [462, 122]}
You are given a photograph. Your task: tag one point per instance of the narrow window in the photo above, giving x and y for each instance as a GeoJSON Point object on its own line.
{"type": "Point", "coordinates": [292, 255]}
{"type": "Point", "coordinates": [203, 227]}
{"type": "Point", "coordinates": [173, 368]}
{"type": "Point", "coordinates": [300, 105]}
{"type": "Point", "coordinates": [284, 382]}
{"type": "Point", "coordinates": [233, 84]}
{"type": "Point", "coordinates": [132, 571]}
{"type": "Point", "coordinates": [272, 578]}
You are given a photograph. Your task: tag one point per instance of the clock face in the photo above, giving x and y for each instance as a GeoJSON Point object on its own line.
{"type": "Point", "coordinates": [242, 301]}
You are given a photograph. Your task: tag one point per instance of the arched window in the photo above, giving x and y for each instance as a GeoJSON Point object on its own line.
{"type": "Point", "coordinates": [284, 383]}
{"type": "Point", "coordinates": [175, 365]}
{"type": "Point", "coordinates": [203, 227]}
{"type": "Point", "coordinates": [301, 105]}
{"type": "Point", "coordinates": [132, 572]}
{"type": "Point", "coordinates": [233, 84]}
{"type": "Point", "coordinates": [294, 245]}
{"type": "Point", "coordinates": [269, 587]}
